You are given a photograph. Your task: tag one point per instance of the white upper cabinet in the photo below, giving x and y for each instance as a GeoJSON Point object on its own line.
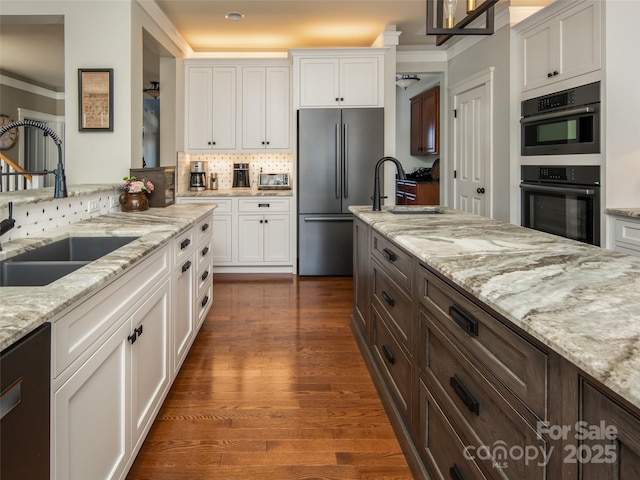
{"type": "Point", "coordinates": [335, 80]}
{"type": "Point", "coordinates": [266, 108]}
{"type": "Point", "coordinates": [211, 108]}
{"type": "Point", "coordinates": [563, 46]}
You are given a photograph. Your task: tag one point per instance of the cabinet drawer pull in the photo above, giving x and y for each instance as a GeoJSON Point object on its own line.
{"type": "Point", "coordinates": [205, 227]}
{"type": "Point", "coordinates": [472, 404]}
{"type": "Point", "coordinates": [204, 275]}
{"type": "Point", "coordinates": [388, 298]}
{"type": "Point", "coordinates": [205, 250]}
{"type": "Point", "coordinates": [185, 243]}
{"type": "Point", "coordinates": [388, 355]}
{"type": "Point", "coordinates": [204, 300]}
{"type": "Point", "coordinates": [455, 473]}
{"type": "Point", "coordinates": [464, 320]}
{"type": "Point", "coordinates": [10, 398]}
{"type": "Point", "coordinates": [389, 255]}
{"type": "Point", "coordinates": [186, 266]}
{"type": "Point", "coordinates": [265, 205]}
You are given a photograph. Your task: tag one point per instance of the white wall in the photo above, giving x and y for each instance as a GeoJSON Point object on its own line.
{"type": "Point", "coordinates": [493, 51]}
{"type": "Point", "coordinates": [621, 105]}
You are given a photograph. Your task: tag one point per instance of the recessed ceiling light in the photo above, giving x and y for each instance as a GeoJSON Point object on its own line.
{"type": "Point", "coordinates": [234, 16]}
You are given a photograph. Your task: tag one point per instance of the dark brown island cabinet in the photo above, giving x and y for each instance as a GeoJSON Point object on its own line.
{"type": "Point", "coordinates": [470, 395]}
{"type": "Point", "coordinates": [412, 192]}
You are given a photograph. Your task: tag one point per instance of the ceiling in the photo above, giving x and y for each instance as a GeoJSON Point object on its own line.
{"type": "Point", "coordinates": [32, 47]}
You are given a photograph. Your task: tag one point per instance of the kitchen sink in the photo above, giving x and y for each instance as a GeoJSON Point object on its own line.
{"type": "Point", "coordinates": [73, 249]}
{"type": "Point", "coordinates": [49, 263]}
{"type": "Point", "coordinates": [416, 210]}
{"type": "Point", "coordinates": [35, 274]}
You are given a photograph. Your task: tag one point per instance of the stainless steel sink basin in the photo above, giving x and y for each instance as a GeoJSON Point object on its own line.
{"type": "Point", "coordinates": [49, 263]}
{"type": "Point", "coordinates": [414, 210]}
{"type": "Point", "coordinates": [74, 249]}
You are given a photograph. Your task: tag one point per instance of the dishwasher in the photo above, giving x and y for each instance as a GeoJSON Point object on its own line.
{"type": "Point", "coordinates": [25, 387]}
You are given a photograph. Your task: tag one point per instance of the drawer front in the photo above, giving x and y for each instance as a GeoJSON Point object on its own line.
{"type": "Point", "coordinates": [203, 303]}
{"type": "Point", "coordinates": [627, 233]}
{"type": "Point", "coordinates": [393, 259]}
{"type": "Point", "coordinates": [204, 276]}
{"type": "Point", "coordinates": [440, 447]}
{"type": "Point", "coordinates": [490, 418]}
{"type": "Point", "coordinates": [392, 362]}
{"type": "Point", "coordinates": [518, 364]}
{"type": "Point", "coordinates": [204, 229]}
{"type": "Point", "coordinates": [225, 205]}
{"type": "Point", "coordinates": [184, 245]}
{"type": "Point", "coordinates": [76, 331]}
{"type": "Point", "coordinates": [391, 299]}
{"type": "Point", "coordinates": [263, 205]}
{"type": "Point", "coordinates": [205, 252]}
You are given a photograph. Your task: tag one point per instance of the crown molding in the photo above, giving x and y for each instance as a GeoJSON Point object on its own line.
{"type": "Point", "coordinates": [31, 88]}
{"type": "Point", "coordinates": [157, 15]}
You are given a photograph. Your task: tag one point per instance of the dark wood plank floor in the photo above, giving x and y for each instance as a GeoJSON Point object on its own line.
{"type": "Point", "coordinates": [274, 388]}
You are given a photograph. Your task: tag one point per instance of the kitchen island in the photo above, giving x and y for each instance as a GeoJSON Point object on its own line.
{"type": "Point", "coordinates": [573, 308]}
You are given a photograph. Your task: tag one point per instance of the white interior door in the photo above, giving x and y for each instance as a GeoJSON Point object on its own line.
{"type": "Point", "coordinates": [472, 136]}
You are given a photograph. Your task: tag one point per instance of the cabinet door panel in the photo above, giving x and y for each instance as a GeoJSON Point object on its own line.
{"type": "Point", "coordinates": [253, 107]}
{"type": "Point", "coordinates": [200, 108]}
{"type": "Point", "coordinates": [224, 108]}
{"type": "Point", "coordinates": [319, 85]}
{"type": "Point", "coordinates": [250, 238]}
{"type": "Point", "coordinates": [91, 437]}
{"type": "Point", "coordinates": [622, 454]}
{"type": "Point", "coordinates": [579, 39]}
{"type": "Point", "coordinates": [537, 57]}
{"type": "Point", "coordinates": [150, 359]}
{"type": "Point", "coordinates": [359, 82]}
{"type": "Point", "coordinates": [276, 238]}
{"type": "Point", "coordinates": [278, 108]}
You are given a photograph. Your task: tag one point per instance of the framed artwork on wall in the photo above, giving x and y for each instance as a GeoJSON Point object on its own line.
{"type": "Point", "coordinates": [95, 99]}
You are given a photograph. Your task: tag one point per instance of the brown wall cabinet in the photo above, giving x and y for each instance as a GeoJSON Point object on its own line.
{"type": "Point", "coordinates": [410, 192]}
{"type": "Point", "coordinates": [425, 122]}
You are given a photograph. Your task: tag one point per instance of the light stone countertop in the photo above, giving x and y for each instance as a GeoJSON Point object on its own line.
{"type": "Point", "coordinates": [623, 212]}
{"type": "Point", "coordinates": [23, 309]}
{"type": "Point", "coordinates": [238, 192]}
{"type": "Point", "coordinates": [21, 197]}
{"type": "Point", "coordinates": [580, 300]}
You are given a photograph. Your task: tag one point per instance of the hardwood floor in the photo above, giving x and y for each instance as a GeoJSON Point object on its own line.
{"type": "Point", "coordinates": [274, 388]}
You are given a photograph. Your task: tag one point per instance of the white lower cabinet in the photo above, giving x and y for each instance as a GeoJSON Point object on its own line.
{"type": "Point", "coordinates": [250, 234]}
{"type": "Point", "coordinates": [117, 352]}
{"type": "Point", "coordinates": [624, 234]}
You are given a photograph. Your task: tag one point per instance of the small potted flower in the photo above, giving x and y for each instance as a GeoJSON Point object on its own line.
{"type": "Point", "coordinates": [134, 198]}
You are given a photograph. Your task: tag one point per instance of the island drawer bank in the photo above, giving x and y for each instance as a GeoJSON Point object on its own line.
{"type": "Point", "coordinates": [523, 355]}
{"type": "Point", "coordinates": [121, 326]}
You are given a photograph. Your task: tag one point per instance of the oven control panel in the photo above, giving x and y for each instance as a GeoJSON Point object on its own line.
{"type": "Point", "coordinates": [554, 173]}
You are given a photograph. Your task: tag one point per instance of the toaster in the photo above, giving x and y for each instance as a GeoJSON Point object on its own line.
{"type": "Point", "coordinates": [274, 181]}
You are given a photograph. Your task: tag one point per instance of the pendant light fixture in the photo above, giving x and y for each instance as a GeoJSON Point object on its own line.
{"type": "Point", "coordinates": [154, 91]}
{"type": "Point", "coordinates": [404, 81]}
{"type": "Point", "coordinates": [441, 18]}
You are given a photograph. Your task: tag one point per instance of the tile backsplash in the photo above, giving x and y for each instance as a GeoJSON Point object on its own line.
{"type": "Point", "coordinates": [222, 165]}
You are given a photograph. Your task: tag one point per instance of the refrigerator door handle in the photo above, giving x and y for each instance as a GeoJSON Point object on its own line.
{"type": "Point", "coordinates": [328, 219]}
{"type": "Point", "coordinates": [345, 164]}
{"type": "Point", "coordinates": [337, 153]}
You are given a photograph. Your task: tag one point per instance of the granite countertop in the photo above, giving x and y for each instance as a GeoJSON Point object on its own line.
{"type": "Point", "coordinates": [623, 212]}
{"type": "Point", "coordinates": [580, 300]}
{"type": "Point", "coordinates": [238, 192]}
{"type": "Point", "coordinates": [23, 309]}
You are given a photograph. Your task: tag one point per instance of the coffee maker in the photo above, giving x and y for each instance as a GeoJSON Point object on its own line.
{"type": "Point", "coordinates": [197, 180]}
{"type": "Point", "coordinates": [241, 175]}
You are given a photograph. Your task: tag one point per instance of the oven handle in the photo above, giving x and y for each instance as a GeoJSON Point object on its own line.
{"type": "Point", "coordinates": [553, 189]}
{"type": "Point", "coordinates": [552, 115]}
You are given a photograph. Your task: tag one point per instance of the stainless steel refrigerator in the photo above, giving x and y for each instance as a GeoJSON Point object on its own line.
{"type": "Point", "coordinates": [337, 153]}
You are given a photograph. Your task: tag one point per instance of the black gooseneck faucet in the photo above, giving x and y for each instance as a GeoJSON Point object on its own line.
{"type": "Point", "coordinates": [376, 180]}
{"type": "Point", "coordinates": [8, 223]}
{"type": "Point", "coordinates": [60, 189]}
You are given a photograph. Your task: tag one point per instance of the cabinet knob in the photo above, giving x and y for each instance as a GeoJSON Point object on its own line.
{"type": "Point", "coordinates": [555, 73]}
{"type": "Point", "coordinates": [549, 75]}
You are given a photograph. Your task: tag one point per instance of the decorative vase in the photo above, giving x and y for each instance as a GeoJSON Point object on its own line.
{"type": "Point", "coordinates": [134, 202]}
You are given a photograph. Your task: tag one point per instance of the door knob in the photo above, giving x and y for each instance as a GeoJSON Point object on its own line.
{"type": "Point", "coordinates": [480, 190]}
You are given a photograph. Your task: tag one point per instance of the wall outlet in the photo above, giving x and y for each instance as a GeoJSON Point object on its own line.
{"type": "Point", "coordinates": [113, 202]}
{"type": "Point", "coordinates": [93, 206]}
